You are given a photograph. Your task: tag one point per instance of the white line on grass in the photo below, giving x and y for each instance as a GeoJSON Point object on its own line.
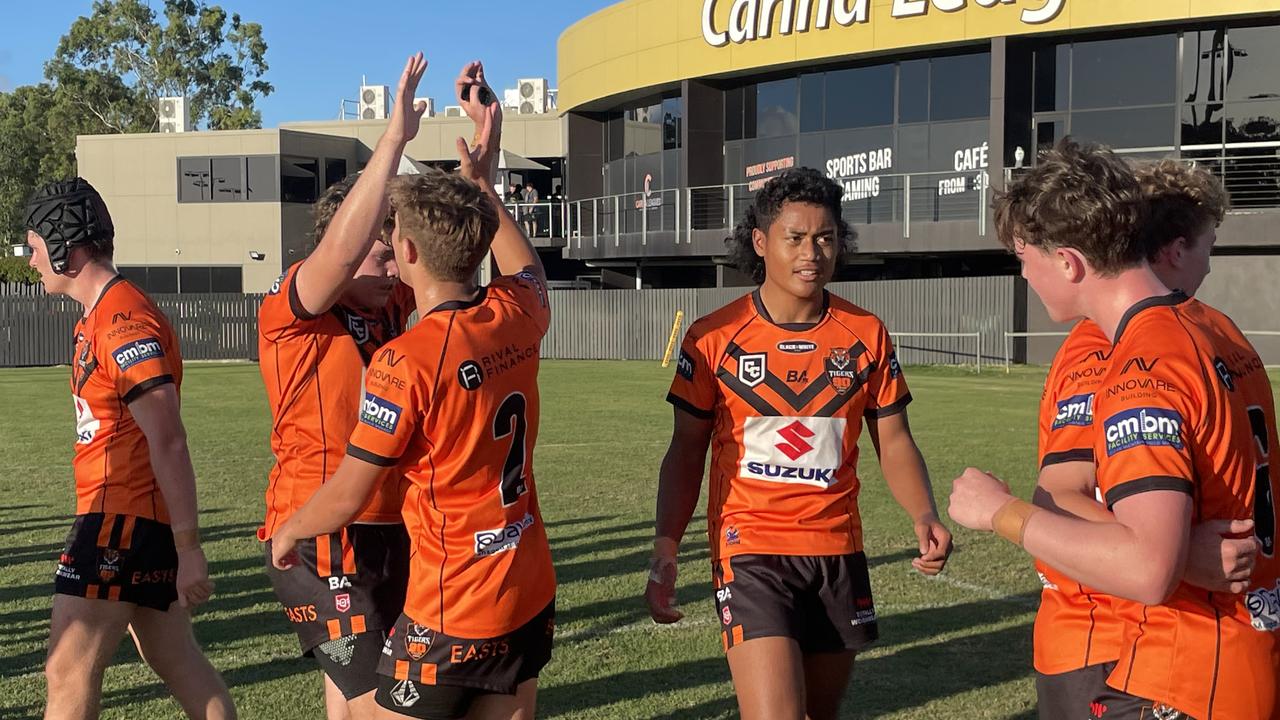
{"type": "Point", "coordinates": [978, 589]}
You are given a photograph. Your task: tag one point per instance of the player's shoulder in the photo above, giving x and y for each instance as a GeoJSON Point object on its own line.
{"type": "Point", "coordinates": [725, 321]}
{"type": "Point", "coordinates": [855, 317]}
{"type": "Point", "coordinates": [1085, 342]}
{"type": "Point", "coordinates": [124, 309]}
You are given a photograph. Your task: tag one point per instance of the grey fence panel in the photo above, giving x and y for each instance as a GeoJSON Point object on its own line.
{"type": "Point", "coordinates": [585, 324]}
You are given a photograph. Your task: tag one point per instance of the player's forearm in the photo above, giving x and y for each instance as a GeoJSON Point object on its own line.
{"type": "Point", "coordinates": [171, 463]}
{"type": "Point", "coordinates": [1110, 556]}
{"type": "Point", "coordinates": [512, 250]}
{"type": "Point", "coordinates": [331, 508]}
{"type": "Point", "coordinates": [679, 483]}
{"type": "Point", "coordinates": [907, 477]}
{"type": "Point", "coordinates": [350, 234]}
{"type": "Point", "coordinates": [1071, 502]}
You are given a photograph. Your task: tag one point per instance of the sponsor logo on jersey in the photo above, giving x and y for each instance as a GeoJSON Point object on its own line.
{"type": "Point", "coordinates": [465, 653]}
{"type": "Point", "coordinates": [381, 414]}
{"type": "Point", "coordinates": [470, 376]}
{"type": "Point", "coordinates": [342, 603]}
{"type": "Point", "coordinates": [839, 371]}
{"type": "Point", "coordinates": [793, 450]}
{"type": "Point", "coordinates": [1097, 710]}
{"type": "Point", "coordinates": [357, 327]}
{"type": "Point", "coordinates": [797, 347]}
{"type": "Point", "coordinates": [1153, 427]}
{"type": "Point", "coordinates": [731, 536]}
{"type": "Point", "coordinates": [87, 425]}
{"type": "Point", "coordinates": [1224, 374]}
{"type": "Point", "coordinates": [684, 366]}
{"type": "Point", "coordinates": [404, 694]}
{"type": "Point", "coordinates": [1075, 410]}
{"type": "Point", "coordinates": [752, 368]}
{"type": "Point", "coordinates": [492, 542]}
{"type": "Point", "coordinates": [1046, 582]}
{"type": "Point", "coordinates": [417, 640]}
{"type": "Point", "coordinates": [1264, 608]}
{"type": "Point", "coordinates": [894, 368]}
{"type": "Point", "coordinates": [275, 286]}
{"type": "Point", "coordinates": [300, 613]}
{"type": "Point", "coordinates": [138, 351]}
{"type": "Point", "coordinates": [723, 594]}
{"type": "Point", "coordinates": [537, 285]}
{"type": "Point", "coordinates": [154, 576]}
{"type": "Point", "coordinates": [1160, 711]}
{"type": "Point", "coordinates": [726, 615]}
{"type": "Point", "coordinates": [339, 582]}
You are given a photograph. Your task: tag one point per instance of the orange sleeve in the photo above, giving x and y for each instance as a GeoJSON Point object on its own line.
{"type": "Point", "coordinates": [282, 314]}
{"type": "Point", "coordinates": [390, 410]}
{"type": "Point", "coordinates": [137, 357]}
{"type": "Point", "coordinates": [1066, 421]}
{"type": "Point", "coordinates": [886, 387]}
{"type": "Point", "coordinates": [1146, 414]}
{"type": "Point", "coordinates": [529, 293]}
{"type": "Point", "coordinates": [693, 389]}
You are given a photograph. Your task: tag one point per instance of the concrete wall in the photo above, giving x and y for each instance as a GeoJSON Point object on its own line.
{"type": "Point", "coordinates": [532, 136]}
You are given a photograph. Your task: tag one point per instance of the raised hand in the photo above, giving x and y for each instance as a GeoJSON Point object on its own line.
{"type": "Point", "coordinates": [407, 114]}
{"type": "Point", "coordinates": [487, 117]}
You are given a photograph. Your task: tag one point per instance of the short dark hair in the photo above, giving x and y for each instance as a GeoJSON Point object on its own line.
{"type": "Point", "coordinates": [1081, 196]}
{"type": "Point", "coordinates": [1184, 202]}
{"type": "Point", "coordinates": [798, 185]}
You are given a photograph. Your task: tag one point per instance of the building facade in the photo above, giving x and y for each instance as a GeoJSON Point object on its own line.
{"type": "Point", "coordinates": [920, 109]}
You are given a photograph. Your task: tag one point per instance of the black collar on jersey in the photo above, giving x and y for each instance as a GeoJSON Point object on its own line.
{"type": "Point", "coordinates": [794, 327]}
{"type": "Point", "coordinates": [462, 304]}
{"type": "Point", "coordinates": [1177, 297]}
{"type": "Point", "coordinates": [110, 284]}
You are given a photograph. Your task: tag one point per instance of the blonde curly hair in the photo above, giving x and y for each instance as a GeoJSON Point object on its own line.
{"type": "Point", "coordinates": [1185, 201]}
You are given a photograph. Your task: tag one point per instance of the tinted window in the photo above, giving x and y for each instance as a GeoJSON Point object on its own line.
{"type": "Point", "coordinates": [1202, 66]}
{"type": "Point", "coordinates": [1201, 124]}
{"type": "Point", "coordinates": [162, 280]}
{"type": "Point", "coordinates": [136, 275]}
{"type": "Point", "coordinates": [913, 91]}
{"type": "Point", "coordinates": [193, 180]}
{"type": "Point", "coordinates": [299, 179]}
{"type": "Point", "coordinates": [334, 170]}
{"type": "Point", "coordinates": [1123, 129]}
{"type": "Point", "coordinates": [1257, 121]}
{"type": "Point", "coordinates": [193, 279]}
{"type": "Point", "coordinates": [262, 178]}
{"type": "Point", "coordinates": [733, 114]}
{"type": "Point", "coordinates": [671, 123]}
{"type": "Point", "coordinates": [228, 179]}
{"type": "Point", "coordinates": [811, 102]}
{"type": "Point", "coordinates": [1052, 73]}
{"type": "Point", "coordinates": [960, 87]}
{"type": "Point", "coordinates": [1128, 71]}
{"type": "Point", "coordinates": [776, 108]}
{"type": "Point", "coordinates": [860, 97]}
{"type": "Point", "coordinates": [1255, 55]}
{"type": "Point", "coordinates": [227, 279]}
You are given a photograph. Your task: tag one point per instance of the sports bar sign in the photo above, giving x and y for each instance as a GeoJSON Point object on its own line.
{"type": "Point", "coordinates": [753, 19]}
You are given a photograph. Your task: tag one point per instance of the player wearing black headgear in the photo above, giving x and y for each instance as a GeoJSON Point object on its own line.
{"type": "Point", "coordinates": [134, 547]}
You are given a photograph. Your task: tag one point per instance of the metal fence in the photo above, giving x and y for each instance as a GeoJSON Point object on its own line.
{"type": "Point", "coordinates": [937, 319]}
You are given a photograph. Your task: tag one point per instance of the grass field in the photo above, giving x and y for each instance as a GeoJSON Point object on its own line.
{"type": "Point", "coordinates": [958, 646]}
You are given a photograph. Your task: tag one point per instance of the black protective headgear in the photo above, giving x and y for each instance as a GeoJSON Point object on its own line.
{"type": "Point", "coordinates": [69, 213]}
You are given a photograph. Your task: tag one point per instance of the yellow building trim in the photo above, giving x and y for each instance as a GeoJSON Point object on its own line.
{"type": "Point", "coordinates": [638, 44]}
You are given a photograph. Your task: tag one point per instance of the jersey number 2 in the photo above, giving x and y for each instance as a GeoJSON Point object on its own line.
{"type": "Point", "coordinates": [1264, 505]}
{"type": "Point", "coordinates": [510, 420]}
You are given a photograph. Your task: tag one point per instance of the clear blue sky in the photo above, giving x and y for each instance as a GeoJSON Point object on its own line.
{"type": "Point", "coordinates": [318, 50]}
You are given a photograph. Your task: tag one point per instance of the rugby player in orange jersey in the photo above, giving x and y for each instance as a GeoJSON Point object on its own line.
{"type": "Point", "coordinates": [134, 547]}
{"type": "Point", "coordinates": [452, 404]}
{"type": "Point", "coordinates": [1077, 637]}
{"type": "Point", "coordinates": [780, 383]}
{"type": "Point", "coordinates": [1184, 423]}
{"type": "Point", "coordinates": [317, 331]}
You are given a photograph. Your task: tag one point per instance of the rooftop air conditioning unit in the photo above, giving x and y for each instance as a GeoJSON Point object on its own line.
{"type": "Point", "coordinates": [553, 100]}
{"type": "Point", "coordinates": [431, 106]}
{"type": "Point", "coordinates": [373, 102]}
{"type": "Point", "coordinates": [511, 98]}
{"type": "Point", "coordinates": [533, 95]}
{"type": "Point", "coordinates": [454, 111]}
{"type": "Point", "coordinates": [173, 114]}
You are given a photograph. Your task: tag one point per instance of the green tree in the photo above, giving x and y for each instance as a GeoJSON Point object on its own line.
{"type": "Point", "coordinates": [117, 61]}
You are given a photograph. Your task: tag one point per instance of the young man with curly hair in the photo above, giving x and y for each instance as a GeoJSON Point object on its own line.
{"type": "Point", "coordinates": [780, 383]}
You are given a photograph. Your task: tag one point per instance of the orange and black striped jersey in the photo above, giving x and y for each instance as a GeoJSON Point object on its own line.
{"type": "Point", "coordinates": [124, 347]}
{"type": "Point", "coordinates": [1186, 406]}
{"type": "Point", "coordinates": [313, 366]}
{"type": "Point", "coordinates": [453, 405]}
{"type": "Point", "coordinates": [788, 403]}
{"type": "Point", "coordinates": [1075, 626]}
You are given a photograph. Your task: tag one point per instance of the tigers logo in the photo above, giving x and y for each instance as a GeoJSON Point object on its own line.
{"type": "Point", "coordinates": [417, 640]}
{"type": "Point", "coordinates": [1164, 712]}
{"type": "Point", "coordinates": [838, 372]}
{"type": "Point", "coordinates": [109, 565]}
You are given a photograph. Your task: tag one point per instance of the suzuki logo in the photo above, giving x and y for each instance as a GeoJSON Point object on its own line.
{"type": "Point", "coordinates": [1097, 709]}
{"type": "Point", "coordinates": [795, 446]}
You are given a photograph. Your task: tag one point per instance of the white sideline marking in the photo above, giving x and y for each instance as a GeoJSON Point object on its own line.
{"type": "Point", "coordinates": [978, 589]}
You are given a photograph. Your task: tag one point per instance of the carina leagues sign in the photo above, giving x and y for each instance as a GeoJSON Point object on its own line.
{"type": "Point", "coordinates": [753, 19]}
